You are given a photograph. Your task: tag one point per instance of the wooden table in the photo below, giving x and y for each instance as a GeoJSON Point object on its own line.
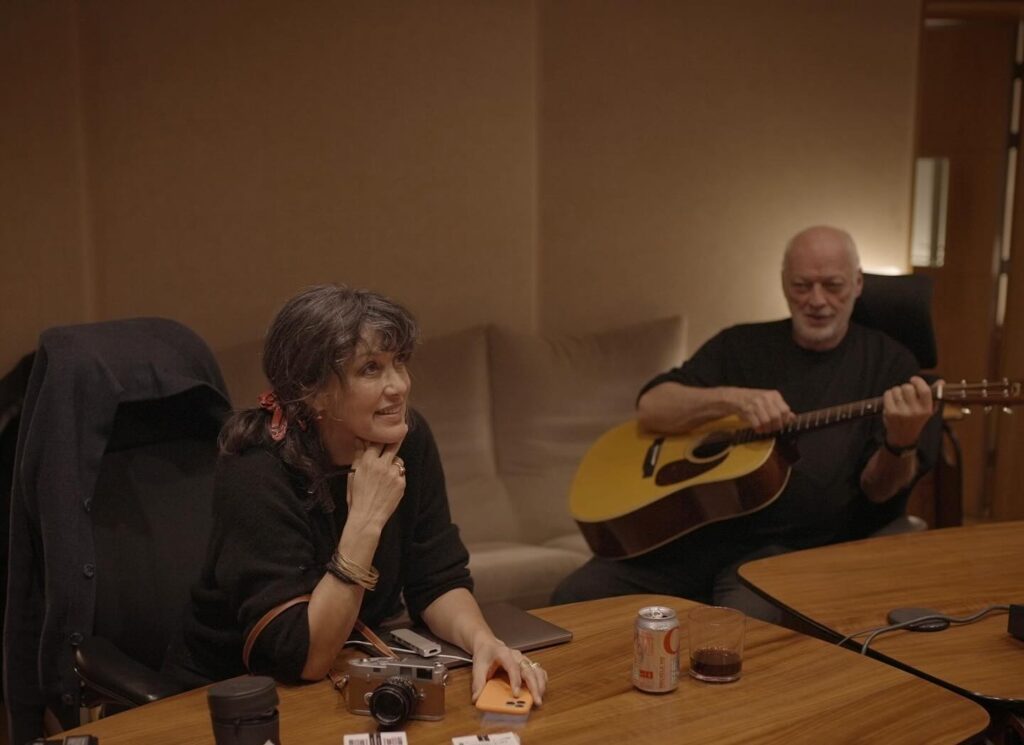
{"type": "Point", "coordinates": [848, 587]}
{"type": "Point", "coordinates": [794, 689]}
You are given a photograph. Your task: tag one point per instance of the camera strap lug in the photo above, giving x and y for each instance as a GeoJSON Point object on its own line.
{"type": "Point", "coordinates": [340, 680]}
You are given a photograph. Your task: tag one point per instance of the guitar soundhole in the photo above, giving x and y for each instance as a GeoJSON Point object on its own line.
{"type": "Point", "coordinates": [710, 448]}
{"type": "Point", "coordinates": [678, 471]}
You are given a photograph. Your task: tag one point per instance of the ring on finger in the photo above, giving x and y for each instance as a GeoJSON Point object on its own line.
{"type": "Point", "coordinates": [401, 469]}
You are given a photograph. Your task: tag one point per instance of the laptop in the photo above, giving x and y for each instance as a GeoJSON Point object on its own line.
{"type": "Point", "coordinates": [518, 628]}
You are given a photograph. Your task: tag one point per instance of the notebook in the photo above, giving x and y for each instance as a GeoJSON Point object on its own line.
{"type": "Point", "coordinates": [518, 628]}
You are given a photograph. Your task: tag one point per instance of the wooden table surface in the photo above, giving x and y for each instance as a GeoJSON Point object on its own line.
{"type": "Point", "coordinates": [849, 587]}
{"type": "Point", "coordinates": [794, 689]}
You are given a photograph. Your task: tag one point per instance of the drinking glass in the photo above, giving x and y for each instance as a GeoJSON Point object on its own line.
{"type": "Point", "coordinates": [716, 643]}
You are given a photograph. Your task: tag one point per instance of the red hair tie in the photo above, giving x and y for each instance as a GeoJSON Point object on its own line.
{"type": "Point", "coordinates": [278, 421]}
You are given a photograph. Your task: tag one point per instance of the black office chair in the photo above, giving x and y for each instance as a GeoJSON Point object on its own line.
{"type": "Point", "coordinates": [900, 305]}
{"type": "Point", "coordinates": [110, 513]}
{"type": "Point", "coordinates": [12, 395]}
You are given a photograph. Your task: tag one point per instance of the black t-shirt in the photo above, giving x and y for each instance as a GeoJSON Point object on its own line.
{"type": "Point", "coordinates": [823, 501]}
{"type": "Point", "coordinates": [269, 545]}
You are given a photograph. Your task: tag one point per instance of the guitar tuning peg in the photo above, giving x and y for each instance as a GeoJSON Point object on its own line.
{"type": "Point", "coordinates": [1007, 410]}
{"type": "Point", "coordinates": [987, 409]}
{"type": "Point", "coordinates": [965, 411]}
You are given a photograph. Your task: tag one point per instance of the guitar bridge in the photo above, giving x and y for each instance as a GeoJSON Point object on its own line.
{"type": "Point", "coordinates": [651, 457]}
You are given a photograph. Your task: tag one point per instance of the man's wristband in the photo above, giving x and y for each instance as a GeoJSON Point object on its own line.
{"type": "Point", "coordinates": [899, 452]}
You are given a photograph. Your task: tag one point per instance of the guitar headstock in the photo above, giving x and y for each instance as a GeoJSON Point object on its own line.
{"type": "Point", "coordinates": [985, 393]}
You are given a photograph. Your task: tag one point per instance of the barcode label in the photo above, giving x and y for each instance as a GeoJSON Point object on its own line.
{"type": "Point", "coordinates": [376, 738]}
{"type": "Point", "coordinates": [495, 738]}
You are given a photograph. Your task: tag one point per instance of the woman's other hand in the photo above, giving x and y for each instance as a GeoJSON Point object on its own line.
{"type": "Point", "coordinates": [491, 656]}
{"type": "Point", "coordinates": [455, 616]}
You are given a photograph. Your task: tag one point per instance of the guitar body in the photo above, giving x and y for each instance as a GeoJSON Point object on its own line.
{"type": "Point", "coordinates": [635, 491]}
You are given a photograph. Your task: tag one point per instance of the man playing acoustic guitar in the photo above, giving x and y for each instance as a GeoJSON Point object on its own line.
{"type": "Point", "coordinates": [849, 480]}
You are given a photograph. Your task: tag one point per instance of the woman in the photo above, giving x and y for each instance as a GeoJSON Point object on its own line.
{"type": "Point", "coordinates": [333, 487]}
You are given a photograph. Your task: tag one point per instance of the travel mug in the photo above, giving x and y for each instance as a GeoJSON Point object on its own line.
{"type": "Point", "coordinates": [244, 711]}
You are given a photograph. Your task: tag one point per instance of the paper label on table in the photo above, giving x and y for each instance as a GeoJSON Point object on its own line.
{"type": "Point", "coordinates": [376, 738]}
{"type": "Point", "coordinates": [495, 738]}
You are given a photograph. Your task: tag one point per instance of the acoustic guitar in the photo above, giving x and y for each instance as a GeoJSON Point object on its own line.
{"type": "Point", "coordinates": [635, 491]}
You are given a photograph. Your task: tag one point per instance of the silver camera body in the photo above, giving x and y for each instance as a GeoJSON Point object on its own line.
{"type": "Point", "coordinates": [414, 685]}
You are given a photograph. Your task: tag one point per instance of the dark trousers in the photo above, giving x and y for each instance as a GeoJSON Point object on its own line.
{"type": "Point", "coordinates": [700, 566]}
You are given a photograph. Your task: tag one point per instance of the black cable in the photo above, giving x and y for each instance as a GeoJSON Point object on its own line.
{"type": "Point", "coordinates": [873, 632]}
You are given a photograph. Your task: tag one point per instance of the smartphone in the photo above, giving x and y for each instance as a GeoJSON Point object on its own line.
{"type": "Point", "coordinates": [497, 697]}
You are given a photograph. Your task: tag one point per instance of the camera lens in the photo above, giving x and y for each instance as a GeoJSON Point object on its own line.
{"type": "Point", "coordinates": [393, 701]}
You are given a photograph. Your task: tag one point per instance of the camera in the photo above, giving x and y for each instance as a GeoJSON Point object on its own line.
{"type": "Point", "coordinates": [393, 690]}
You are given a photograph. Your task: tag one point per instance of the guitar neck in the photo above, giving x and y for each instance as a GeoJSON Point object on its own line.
{"type": "Point", "coordinates": [986, 393]}
{"type": "Point", "coordinates": [815, 420]}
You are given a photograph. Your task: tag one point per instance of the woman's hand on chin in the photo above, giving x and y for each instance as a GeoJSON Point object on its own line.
{"type": "Point", "coordinates": [376, 484]}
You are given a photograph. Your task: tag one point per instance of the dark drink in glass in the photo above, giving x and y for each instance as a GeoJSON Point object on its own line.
{"type": "Point", "coordinates": [716, 665]}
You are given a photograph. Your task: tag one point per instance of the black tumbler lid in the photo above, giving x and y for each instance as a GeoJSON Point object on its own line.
{"type": "Point", "coordinates": [244, 697]}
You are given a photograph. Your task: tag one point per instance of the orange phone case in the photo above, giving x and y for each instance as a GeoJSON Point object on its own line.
{"type": "Point", "coordinates": [497, 697]}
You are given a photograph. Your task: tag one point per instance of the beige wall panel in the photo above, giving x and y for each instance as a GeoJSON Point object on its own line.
{"type": "Point", "coordinates": [682, 143]}
{"type": "Point", "coordinates": [242, 151]}
{"type": "Point", "coordinates": [1008, 483]}
{"type": "Point", "coordinates": [43, 280]}
{"type": "Point", "coordinates": [234, 153]}
{"type": "Point", "coordinates": [968, 62]}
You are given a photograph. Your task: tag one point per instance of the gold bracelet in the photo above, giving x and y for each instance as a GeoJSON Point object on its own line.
{"type": "Point", "coordinates": [345, 569]}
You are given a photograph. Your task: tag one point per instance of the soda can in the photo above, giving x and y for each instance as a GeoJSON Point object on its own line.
{"type": "Point", "coordinates": [656, 650]}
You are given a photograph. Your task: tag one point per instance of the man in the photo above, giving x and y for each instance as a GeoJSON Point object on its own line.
{"type": "Point", "coordinates": [849, 479]}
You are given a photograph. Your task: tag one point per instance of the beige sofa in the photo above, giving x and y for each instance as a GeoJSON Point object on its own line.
{"type": "Point", "coordinates": [513, 414]}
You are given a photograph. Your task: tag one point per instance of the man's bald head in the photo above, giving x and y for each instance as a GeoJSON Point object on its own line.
{"type": "Point", "coordinates": [821, 279]}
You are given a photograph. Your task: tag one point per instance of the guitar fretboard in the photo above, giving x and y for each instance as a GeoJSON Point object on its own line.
{"type": "Point", "coordinates": [997, 393]}
{"type": "Point", "coordinates": [814, 420]}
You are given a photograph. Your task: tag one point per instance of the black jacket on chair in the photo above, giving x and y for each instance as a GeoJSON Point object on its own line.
{"type": "Point", "coordinates": [80, 377]}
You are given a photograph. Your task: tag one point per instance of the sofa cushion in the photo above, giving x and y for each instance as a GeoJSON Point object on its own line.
{"type": "Point", "coordinates": [554, 396]}
{"type": "Point", "coordinates": [574, 542]}
{"type": "Point", "coordinates": [519, 573]}
{"type": "Point", "coordinates": [451, 388]}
